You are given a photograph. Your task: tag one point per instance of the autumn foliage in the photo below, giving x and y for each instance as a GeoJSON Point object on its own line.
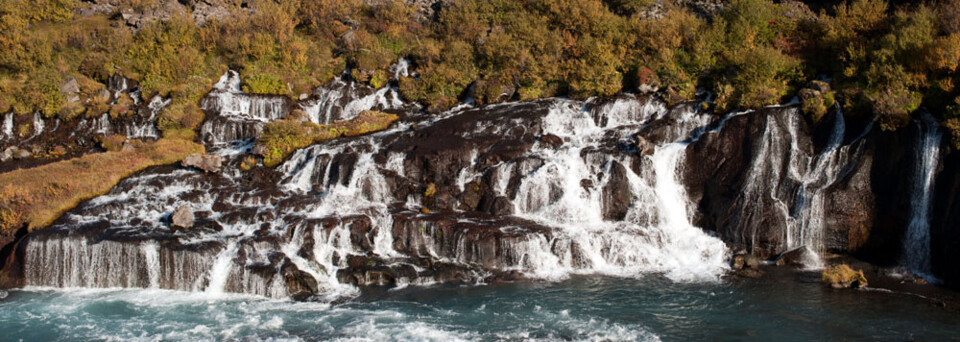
{"type": "Point", "coordinates": [880, 60]}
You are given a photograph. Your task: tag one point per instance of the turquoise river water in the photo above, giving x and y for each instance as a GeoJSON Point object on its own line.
{"type": "Point", "coordinates": [583, 308]}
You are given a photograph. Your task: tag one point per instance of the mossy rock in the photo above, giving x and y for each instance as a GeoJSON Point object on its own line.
{"type": "Point", "coordinates": [842, 276]}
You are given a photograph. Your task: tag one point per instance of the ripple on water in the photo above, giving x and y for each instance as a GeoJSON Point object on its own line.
{"type": "Point", "coordinates": [579, 309]}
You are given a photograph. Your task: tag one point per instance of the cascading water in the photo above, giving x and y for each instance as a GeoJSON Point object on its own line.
{"type": "Point", "coordinates": [656, 234]}
{"type": "Point", "coordinates": [239, 116]}
{"type": "Point", "coordinates": [143, 126]}
{"type": "Point", "coordinates": [6, 130]}
{"type": "Point", "coordinates": [38, 124]}
{"type": "Point", "coordinates": [787, 182]}
{"type": "Point", "coordinates": [916, 249]}
{"type": "Point", "coordinates": [349, 211]}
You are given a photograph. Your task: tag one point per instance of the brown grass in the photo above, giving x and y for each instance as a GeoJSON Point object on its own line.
{"type": "Point", "coordinates": [39, 195]}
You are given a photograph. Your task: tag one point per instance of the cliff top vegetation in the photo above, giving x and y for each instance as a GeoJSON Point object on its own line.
{"type": "Point", "coordinates": [875, 58]}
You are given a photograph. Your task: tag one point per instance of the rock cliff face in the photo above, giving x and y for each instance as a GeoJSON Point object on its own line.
{"type": "Point", "coordinates": [770, 181]}
{"type": "Point", "coordinates": [945, 226]}
{"type": "Point", "coordinates": [767, 184]}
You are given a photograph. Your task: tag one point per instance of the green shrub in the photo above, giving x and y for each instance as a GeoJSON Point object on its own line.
{"type": "Point", "coordinates": [264, 84]}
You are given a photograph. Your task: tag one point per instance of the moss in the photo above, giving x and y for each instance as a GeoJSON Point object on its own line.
{"type": "Point", "coordinates": [179, 133]}
{"type": "Point", "coordinates": [953, 128]}
{"type": "Point", "coordinates": [843, 276]}
{"type": "Point", "coordinates": [248, 164]}
{"type": "Point", "coordinates": [24, 130]}
{"type": "Point", "coordinates": [70, 111]}
{"type": "Point", "coordinates": [97, 107]}
{"type": "Point", "coordinates": [122, 107]}
{"type": "Point", "coordinates": [282, 137]}
{"type": "Point", "coordinates": [379, 78]}
{"type": "Point", "coordinates": [112, 143]}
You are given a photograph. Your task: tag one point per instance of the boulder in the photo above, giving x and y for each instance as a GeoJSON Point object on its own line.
{"type": "Point", "coordinates": [70, 87]}
{"type": "Point", "coordinates": [470, 197]}
{"type": "Point", "coordinates": [752, 261]}
{"type": "Point", "coordinates": [816, 99]}
{"type": "Point", "coordinates": [743, 260]}
{"type": "Point", "coordinates": [738, 261]}
{"type": "Point", "coordinates": [300, 285]}
{"type": "Point", "coordinates": [8, 153]}
{"type": "Point", "coordinates": [617, 197]}
{"type": "Point", "coordinates": [842, 276]}
{"type": "Point", "coordinates": [551, 140]}
{"type": "Point", "coordinates": [501, 206]}
{"type": "Point", "coordinates": [800, 256]}
{"type": "Point", "coordinates": [128, 146]}
{"type": "Point", "coordinates": [644, 147]}
{"type": "Point", "coordinates": [182, 218]}
{"type": "Point", "coordinates": [205, 162]}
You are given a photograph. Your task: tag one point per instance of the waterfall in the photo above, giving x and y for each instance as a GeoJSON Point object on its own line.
{"type": "Point", "coordinates": [656, 234]}
{"type": "Point", "coordinates": [7, 128]}
{"type": "Point", "coordinates": [348, 211]}
{"type": "Point", "coordinates": [344, 100]}
{"type": "Point", "coordinates": [240, 116]}
{"type": "Point", "coordinates": [400, 69]}
{"type": "Point", "coordinates": [140, 127]}
{"type": "Point", "coordinates": [38, 124]}
{"type": "Point", "coordinates": [806, 223]}
{"type": "Point", "coordinates": [916, 247]}
{"type": "Point", "coordinates": [72, 262]}
{"type": "Point", "coordinates": [151, 255]}
{"type": "Point", "coordinates": [787, 182]}
{"type": "Point", "coordinates": [220, 272]}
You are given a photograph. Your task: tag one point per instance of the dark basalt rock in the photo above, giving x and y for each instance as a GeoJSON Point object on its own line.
{"type": "Point", "coordinates": [466, 234]}
{"type": "Point", "coordinates": [617, 197]}
{"type": "Point", "coordinates": [300, 284]}
{"type": "Point", "coordinates": [945, 223]}
{"type": "Point", "coordinates": [744, 184]}
{"type": "Point", "coordinates": [551, 140]}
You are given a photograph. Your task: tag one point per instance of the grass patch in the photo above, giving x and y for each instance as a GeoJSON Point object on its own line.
{"type": "Point", "coordinates": [39, 195]}
{"type": "Point", "coordinates": [282, 137]}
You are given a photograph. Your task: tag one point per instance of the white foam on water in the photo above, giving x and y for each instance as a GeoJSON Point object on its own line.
{"type": "Point", "coordinates": [553, 194]}
{"type": "Point", "coordinates": [221, 270]}
{"type": "Point", "coordinates": [151, 253]}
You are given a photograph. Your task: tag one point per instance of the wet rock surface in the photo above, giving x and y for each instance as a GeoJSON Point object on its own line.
{"type": "Point", "coordinates": [182, 218]}
{"type": "Point", "coordinates": [762, 183]}
{"type": "Point", "coordinates": [358, 212]}
{"type": "Point", "coordinates": [205, 162]}
{"type": "Point", "coordinates": [529, 190]}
